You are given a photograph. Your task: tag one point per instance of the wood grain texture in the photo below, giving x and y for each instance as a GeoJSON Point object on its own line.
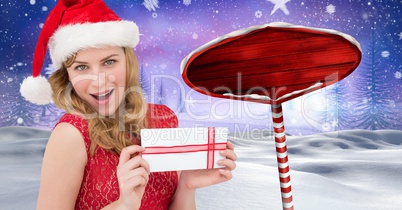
{"type": "Point", "coordinates": [271, 61]}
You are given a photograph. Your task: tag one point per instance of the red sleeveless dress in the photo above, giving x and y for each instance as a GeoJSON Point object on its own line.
{"type": "Point", "coordinates": [100, 186]}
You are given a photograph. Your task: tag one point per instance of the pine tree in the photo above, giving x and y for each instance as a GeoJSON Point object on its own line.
{"type": "Point", "coordinates": [145, 83]}
{"type": "Point", "coordinates": [372, 110]}
{"type": "Point", "coordinates": [50, 112]}
{"type": "Point", "coordinates": [50, 115]}
{"type": "Point", "coordinates": [15, 111]}
{"type": "Point", "coordinates": [332, 109]}
{"type": "Point", "coordinates": [339, 105]}
{"type": "Point", "coordinates": [344, 97]}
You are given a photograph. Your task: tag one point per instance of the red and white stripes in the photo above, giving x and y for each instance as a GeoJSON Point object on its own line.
{"type": "Point", "coordinates": [282, 157]}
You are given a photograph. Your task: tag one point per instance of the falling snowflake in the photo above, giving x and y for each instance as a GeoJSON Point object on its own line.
{"type": "Point", "coordinates": [365, 16]}
{"type": "Point", "coordinates": [330, 9]}
{"type": "Point", "coordinates": [170, 29]}
{"type": "Point", "coordinates": [20, 120]}
{"type": "Point", "coordinates": [385, 54]}
{"type": "Point", "coordinates": [151, 4]}
{"type": "Point", "coordinates": [400, 36]}
{"type": "Point", "coordinates": [398, 75]}
{"type": "Point", "coordinates": [186, 2]}
{"type": "Point", "coordinates": [194, 36]}
{"type": "Point", "coordinates": [154, 15]}
{"type": "Point", "coordinates": [258, 14]}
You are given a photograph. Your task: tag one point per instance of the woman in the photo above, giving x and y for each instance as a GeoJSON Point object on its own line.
{"type": "Point", "coordinates": [93, 160]}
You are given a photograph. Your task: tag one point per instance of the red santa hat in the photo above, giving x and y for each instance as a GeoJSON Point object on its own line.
{"type": "Point", "coordinates": [71, 26]}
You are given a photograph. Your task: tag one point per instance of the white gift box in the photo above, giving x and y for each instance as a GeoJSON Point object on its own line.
{"type": "Point", "coordinates": [175, 149]}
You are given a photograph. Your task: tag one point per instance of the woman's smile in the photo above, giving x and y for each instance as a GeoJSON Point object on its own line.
{"type": "Point", "coordinates": [102, 98]}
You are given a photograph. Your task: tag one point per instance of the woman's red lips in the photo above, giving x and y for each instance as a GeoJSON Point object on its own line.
{"type": "Point", "coordinates": [102, 96]}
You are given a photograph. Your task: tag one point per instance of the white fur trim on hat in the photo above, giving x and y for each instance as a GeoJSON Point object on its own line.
{"type": "Point", "coordinates": [69, 39]}
{"type": "Point", "coordinates": [36, 90]}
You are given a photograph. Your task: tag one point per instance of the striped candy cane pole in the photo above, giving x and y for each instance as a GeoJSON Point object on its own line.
{"type": "Point", "coordinates": [282, 157]}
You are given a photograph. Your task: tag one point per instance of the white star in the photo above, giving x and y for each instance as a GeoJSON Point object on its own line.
{"type": "Point", "coordinates": [400, 36]}
{"type": "Point", "coordinates": [280, 4]}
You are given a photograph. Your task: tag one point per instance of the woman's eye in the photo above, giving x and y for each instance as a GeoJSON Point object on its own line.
{"type": "Point", "coordinates": [110, 62]}
{"type": "Point", "coordinates": [81, 67]}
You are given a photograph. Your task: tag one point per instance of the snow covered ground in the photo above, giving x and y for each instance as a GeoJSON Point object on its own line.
{"type": "Point", "coordinates": [345, 170]}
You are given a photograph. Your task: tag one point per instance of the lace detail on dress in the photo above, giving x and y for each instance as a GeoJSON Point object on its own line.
{"type": "Point", "coordinates": [100, 186]}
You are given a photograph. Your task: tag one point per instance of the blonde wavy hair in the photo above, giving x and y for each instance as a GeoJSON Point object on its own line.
{"type": "Point", "coordinates": [113, 132]}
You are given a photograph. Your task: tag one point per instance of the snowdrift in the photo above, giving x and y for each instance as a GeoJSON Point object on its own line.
{"type": "Point", "coordinates": [355, 169]}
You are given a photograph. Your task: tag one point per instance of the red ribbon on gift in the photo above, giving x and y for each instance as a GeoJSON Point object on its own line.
{"type": "Point", "coordinates": [210, 147]}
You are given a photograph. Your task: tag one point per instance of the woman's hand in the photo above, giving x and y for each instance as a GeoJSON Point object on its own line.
{"type": "Point", "coordinates": [193, 179]}
{"type": "Point", "coordinates": [133, 176]}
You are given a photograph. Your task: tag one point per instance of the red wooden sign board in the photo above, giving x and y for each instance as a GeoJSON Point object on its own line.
{"type": "Point", "coordinates": [271, 63]}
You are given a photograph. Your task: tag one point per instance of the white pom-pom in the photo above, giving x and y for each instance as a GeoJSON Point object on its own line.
{"type": "Point", "coordinates": [36, 90]}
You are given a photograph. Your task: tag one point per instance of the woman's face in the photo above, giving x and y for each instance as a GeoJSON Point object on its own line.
{"type": "Point", "coordinates": [98, 77]}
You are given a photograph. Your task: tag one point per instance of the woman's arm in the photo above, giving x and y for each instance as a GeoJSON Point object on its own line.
{"type": "Point", "coordinates": [184, 198]}
{"type": "Point", "coordinates": [62, 169]}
